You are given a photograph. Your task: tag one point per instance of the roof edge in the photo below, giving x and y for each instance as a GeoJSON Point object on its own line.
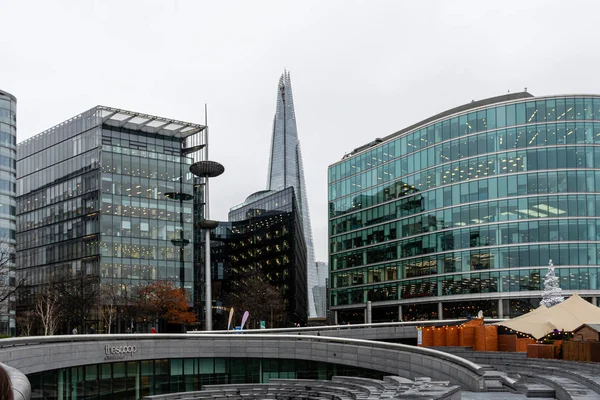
{"type": "Point", "coordinates": [4, 93]}
{"type": "Point", "coordinates": [459, 109]}
{"type": "Point", "coordinates": [468, 106]}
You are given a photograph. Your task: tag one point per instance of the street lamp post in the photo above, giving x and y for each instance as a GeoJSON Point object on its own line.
{"type": "Point", "coordinates": [207, 169]}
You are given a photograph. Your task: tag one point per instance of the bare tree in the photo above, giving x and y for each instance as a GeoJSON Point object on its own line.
{"type": "Point", "coordinates": [109, 303]}
{"type": "Point", "coordinates": [26, 322]}
{"type": "Point", "coordinates": [78, 296]}
{"type": "Point", "coordinates": [47, 307]}
{"type": "Point", "coordinates": [9, 281]}
{"type": "Point", "coordinates": [263, 300]}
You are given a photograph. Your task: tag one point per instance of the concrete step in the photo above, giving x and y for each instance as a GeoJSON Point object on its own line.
{"type": "Point", "coordinates": [565, 388]}
{"type": "Point", "coordinates": [495, 386]}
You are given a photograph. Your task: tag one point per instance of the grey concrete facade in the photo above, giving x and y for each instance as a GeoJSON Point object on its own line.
{"type": "Point", "coordinates": [37, 354]}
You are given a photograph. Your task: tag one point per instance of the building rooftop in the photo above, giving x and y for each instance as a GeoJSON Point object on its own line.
{"type": "Point", "coordinates": [3, 93]}
{"type": "Point", "coordinates": [103, 115]}
{"type": "Point", "coordinates": [465, 107]}
{"type": "Point", "coordinates": [595, 327]}
{"type": "Point", "coordinates": [108, 116]}
{"type": "Point", "coordinates": [147, 123]}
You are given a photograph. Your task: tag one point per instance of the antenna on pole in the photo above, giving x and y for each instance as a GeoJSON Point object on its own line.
{"type": "Point", "coordinates": [205, 114]}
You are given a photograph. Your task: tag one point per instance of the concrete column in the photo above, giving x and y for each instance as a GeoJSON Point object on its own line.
{"type": "Point", "coordinates": [440, 311]}
{"type": "Point", "coordinates": [335, 317]}
{"type": "Point", "coordinates": [400, 313]}
{"type": "Point", "coordinates": [368, 312]}
{"type": "Point", "coordinates": [500, 308]}
{"type": "Point", "coordinates": [595, 300]}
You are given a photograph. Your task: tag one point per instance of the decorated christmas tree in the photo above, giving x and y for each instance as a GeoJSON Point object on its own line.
{"type": "Point", "coordinates": [552, 294]}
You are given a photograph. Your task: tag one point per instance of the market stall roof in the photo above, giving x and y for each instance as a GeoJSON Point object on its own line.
{"type": "Point", "coordinates": [568, 316]}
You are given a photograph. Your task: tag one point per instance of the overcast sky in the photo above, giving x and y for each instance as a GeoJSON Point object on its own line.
{"type": "Point", "coordinates": [360, 69]}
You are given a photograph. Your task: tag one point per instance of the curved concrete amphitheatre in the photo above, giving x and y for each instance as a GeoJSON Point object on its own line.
{"type": "Point", "coordinates": [36, 354]}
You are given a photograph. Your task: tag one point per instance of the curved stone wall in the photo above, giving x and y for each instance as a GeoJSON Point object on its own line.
{"type": "Point", "coordinates": [37, 354]}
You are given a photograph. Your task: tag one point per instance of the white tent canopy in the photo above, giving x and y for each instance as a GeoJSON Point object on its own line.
{"type": "Point", "coordinates": [568, 316]}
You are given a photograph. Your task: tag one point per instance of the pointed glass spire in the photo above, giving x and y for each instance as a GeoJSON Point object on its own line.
{"type": "Point", "coordinates": [285, 170]}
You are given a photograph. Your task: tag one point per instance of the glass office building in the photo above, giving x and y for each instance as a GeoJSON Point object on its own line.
{"type": "Point", "coordinates": [102, 194]}
{"type": "Point", "coordinates": [263, 236]}
{"type": "Point", "coordinates": [462, 212]}
{"type": "Point", "coordinates": [8, 179]}
{"type": "Point", "coordinates": [286, 170]}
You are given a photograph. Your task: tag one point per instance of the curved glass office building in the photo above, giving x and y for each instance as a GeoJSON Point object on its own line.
{"type": "Point", "coordinates": [463, 211]}
{"type": "Point", "coordinates": [8, 178]}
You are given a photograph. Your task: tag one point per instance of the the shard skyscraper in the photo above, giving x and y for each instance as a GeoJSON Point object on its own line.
{"type": "Point", "coordinates": [285, 170]}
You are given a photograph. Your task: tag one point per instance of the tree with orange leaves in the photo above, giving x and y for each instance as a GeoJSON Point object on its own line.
{"type": "Point", "coordinates": [162, 300]}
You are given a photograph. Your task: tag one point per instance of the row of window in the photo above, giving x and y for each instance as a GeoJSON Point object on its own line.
{"type": "Point", "coordinates": [474, 260]}
{"type": "Point", "coordinates": [126, 274]}
{"type": "Point", "coordinates": [142, 187]}
{"type": "Point", "coordinates": [534, 206]}
{"type": "Point", "coordinates": [43, 273]}
{"type": "Point", "coordinates": [503, 140]}
{"type": "Point", "coordinates": [59, 151]}
{"type": "Point", "coordinates": [470, 169]}
{"type": "Point", "coordinates": [523, 208]}
{"type": "Point", "coordinates": [493, 235]}
{"type": "Point", "coordinates": [138, 379]}
{"type": "Point", "coordinates": [484, 282]}
{"type": "Point", "coordinates": [56, 213]}
{"type": "Point", "coordinates": [129, 272]}
{"type": "Point", "coordinates": [531, 112]}
{"type": "Point", "coordinates": [77, 228]}
{"type": "Point", "coordinates": [573, 181]}
{"type": "Point", "coordinates": [8, 135]}
{"type": "Point", "coordinates": [59, 133]}
{"type": "Point", "coordinates": [7, 116]}
{"type": "Point", "coordinates": [479, 259]}
{"type": "Point", "coordinates": [74, 228]}
{"type": "Point", "coordinates": [144, 228]}
{"type": "Point", "coordinates": [137, 140]}
{"type": "Point", "coordinates": [58, 252]}
{"type": "Point", "coordinates": [145, 164]}
{"type": "Point", "coordinates": [282, 201]}
{"type": "Point", "coordinates": [51, 194]}
{"type": "Point", "coordinates": [79, 164]}
{"type": "Point", "coordinates": [158, 250]}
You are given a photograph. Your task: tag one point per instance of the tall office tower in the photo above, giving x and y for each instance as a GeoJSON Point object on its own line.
{"type": "Point", "coordinates": [8, 177]}
{"type": "Point", "coordinates": [285, 170]}
{"type": "Point", "coordinates": [106, 195]}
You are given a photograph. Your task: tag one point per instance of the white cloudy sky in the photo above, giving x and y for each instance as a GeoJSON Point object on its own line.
{"type": "Point", "coordinates": [360, 69]}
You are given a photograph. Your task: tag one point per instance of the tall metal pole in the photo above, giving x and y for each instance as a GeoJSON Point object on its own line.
{"type": "Point", "coordinates": [207, 269]}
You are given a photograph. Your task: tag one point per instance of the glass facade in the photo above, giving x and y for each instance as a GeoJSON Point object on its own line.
{"type": "Point", "coordinates": [286, 169]}
{"type": "Point", "coordinates": [137, 379]}
{"type": "Point", "coordinates": [93, 199]}
{"type": "Point", "coordinates": [470, 204]}
{"type": "Point", "coordinates": [8, 179]}
{"type": "Point", "coordinates": [320, 290]}
{"type": "Point", "coordinates": [262, 236]}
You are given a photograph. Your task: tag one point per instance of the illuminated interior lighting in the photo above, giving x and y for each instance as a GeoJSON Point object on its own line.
{"type": "Point", "coordinates": [532, 213]}
{"type": "Point", "coordinates": [550, 210]}
{"type": "Point", "coordinates": [532, 115]}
